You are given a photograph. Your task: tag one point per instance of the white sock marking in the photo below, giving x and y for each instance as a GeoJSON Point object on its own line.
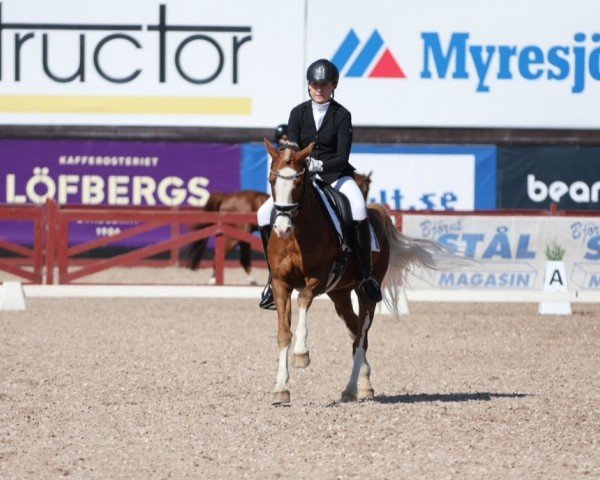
{"type": "Point", "coordinates": [301, 333]}
{"type": "Point", "coordinates": [282, 372]}
{"type": "Point", "coordinates": [358, 359]}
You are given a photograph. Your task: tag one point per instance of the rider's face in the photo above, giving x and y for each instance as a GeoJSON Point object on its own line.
{"type": "Point", "coordinates": [321, 92]}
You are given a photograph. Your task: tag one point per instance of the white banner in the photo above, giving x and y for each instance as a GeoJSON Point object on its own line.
{"type": "Point", "coordinates": [463, 63]}
{"type": "Point", "coordinates": [231, 63]}
{"type": "Point", "coordinates": [397, 180]}
{"type": "Point", "coordinates": [150, 62]}
{"type": "Point", "coordinates": [511, 251]}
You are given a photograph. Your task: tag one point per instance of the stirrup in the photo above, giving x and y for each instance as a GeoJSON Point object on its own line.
{"type": "Point", "coordinates": [267, 302]}
{"type": "Point", "coordinates": [368, 291]}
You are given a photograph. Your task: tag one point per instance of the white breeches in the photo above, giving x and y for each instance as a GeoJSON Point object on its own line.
{"type": "Point", "coordinates": [345, 185]}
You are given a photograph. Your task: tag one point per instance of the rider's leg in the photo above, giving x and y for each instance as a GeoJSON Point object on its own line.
{"type": "Point", "coordinates": [360, 239]}
{"type": "Point", "coordinates": [264, 226]}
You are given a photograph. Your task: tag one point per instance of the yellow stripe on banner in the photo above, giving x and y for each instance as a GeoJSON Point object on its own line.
{"type": "Point", "coordinates": [126, 105]}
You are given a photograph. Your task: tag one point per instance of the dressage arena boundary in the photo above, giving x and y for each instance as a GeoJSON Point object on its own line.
{"type": "Point", "coordinates": [50, 232]}
{"type": "Point", "coordinates": [253, 292]}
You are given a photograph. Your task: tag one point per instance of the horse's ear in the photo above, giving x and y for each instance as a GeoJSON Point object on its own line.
{"type": "Point", "coordinates": [369, 175]}
{"type": "Point", "coordinates": [301, 155]}
{"type": "Point", "coordinates": [270, 149]}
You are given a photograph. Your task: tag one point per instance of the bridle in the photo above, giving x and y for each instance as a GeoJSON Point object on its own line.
{"type": "Point", "coordinates": [290, 210]}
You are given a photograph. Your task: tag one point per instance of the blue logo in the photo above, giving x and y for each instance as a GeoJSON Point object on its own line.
{"type": "Point", "coordinates": [386, 65]}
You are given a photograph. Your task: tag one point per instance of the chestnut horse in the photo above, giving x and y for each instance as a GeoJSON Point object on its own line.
{"type": "Point", "coordinates": [244, 201]}
{"type": "Point", "coordinates": [301, 252]}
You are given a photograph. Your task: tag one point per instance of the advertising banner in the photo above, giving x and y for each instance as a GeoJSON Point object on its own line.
{"type": "Point", "coordinates": [112, 173]}
{"type": "Point", "coordinates": [429, 178]}
{"type": "Point", "coordinates": [407, 177]}
{"type": "Point", "coordinates": [140, 62]}
{"type": "Point", "coordinates": [431, 63]}
{"type": "Point", "coordinates": [462, 63]}
{"type": "Point", "coordinates": [511, 251]}
{"type": "Point", "coordinates": [535, 177]}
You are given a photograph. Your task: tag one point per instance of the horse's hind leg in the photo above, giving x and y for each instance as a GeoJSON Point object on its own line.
{"type": "Point", "coordinates": [230, 244]}
{"type": "Point", "coordinates": [359, 386]}
{"type": "Point", "coordinates": [343, 307]}
{"type": "Point", "coordinates": [246, 261]}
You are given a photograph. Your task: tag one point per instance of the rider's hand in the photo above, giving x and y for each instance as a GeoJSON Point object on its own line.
{"type": "Point", "coordinates": [314, 165]}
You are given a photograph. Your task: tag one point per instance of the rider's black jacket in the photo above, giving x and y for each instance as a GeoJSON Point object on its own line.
{"type": "Point", "coordinates": [332, 141]}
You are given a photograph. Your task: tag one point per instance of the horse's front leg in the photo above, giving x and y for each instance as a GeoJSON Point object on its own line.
{"type": "Point", "coordinates": [359, 385]}
{"type": "Point", "coordinates": [283, 301]}
{"type": "Point", "coordinates": [301, 358]}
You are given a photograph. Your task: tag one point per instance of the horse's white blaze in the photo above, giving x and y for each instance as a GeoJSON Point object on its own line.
{"type": "Point", "coordinates": [358, 359]}
{"type": "Point", "coordinates": [301, 333]}
{"type": "Point", "coordinates": [282, 371]}
{"type": "Point", "coordinates": [283, 196]}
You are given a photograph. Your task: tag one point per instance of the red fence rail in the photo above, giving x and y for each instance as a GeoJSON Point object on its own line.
{"type": "Point", "coordinates": [62, 253]}
{"type": "Point", "coordinates": [25, 262]}
{"type": "Point", "coordinates": [52, 249]}
{"type": "Point", "coordinates": [51, 237]}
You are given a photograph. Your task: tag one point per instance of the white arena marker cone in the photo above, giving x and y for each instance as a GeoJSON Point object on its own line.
{"type": "Point", "coordinates": [555, 280]}
{"type": "Point", "coordinates": [12, 296]}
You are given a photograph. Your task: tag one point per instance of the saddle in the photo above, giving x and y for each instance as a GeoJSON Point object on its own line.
{"type": "Point", "coordinates": [340, 205]}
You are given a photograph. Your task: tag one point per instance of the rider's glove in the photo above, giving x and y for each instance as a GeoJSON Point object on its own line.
{"type": "Point", "coordinates": [314, 165]}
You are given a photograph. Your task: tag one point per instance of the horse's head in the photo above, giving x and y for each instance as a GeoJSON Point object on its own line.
{"type": "Point", "coordinates": [289, 180]}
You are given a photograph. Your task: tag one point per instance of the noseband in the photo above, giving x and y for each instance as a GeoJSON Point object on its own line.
{"type": "Point", "coordinates": [291, 209]}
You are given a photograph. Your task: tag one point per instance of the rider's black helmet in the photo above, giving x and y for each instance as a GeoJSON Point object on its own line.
{"type": "Point", "coordinates": [322, 71]}
{"type": "Point", "coordinates": [280, 131]}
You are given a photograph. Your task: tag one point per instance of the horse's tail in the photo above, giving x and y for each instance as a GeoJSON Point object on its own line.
{"type": "Point", "coordinates": [407, 254]}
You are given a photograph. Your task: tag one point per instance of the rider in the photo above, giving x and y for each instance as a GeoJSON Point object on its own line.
{"type": "Point", "coordinates": [327, 123]}
{"type": "Point", "coordinates": [281, 133]}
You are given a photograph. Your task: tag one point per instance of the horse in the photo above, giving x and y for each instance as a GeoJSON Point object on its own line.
{"type": "Point", "coordinates": [301, 251]}
{"type": "Point", "coordinates": [244, 201]}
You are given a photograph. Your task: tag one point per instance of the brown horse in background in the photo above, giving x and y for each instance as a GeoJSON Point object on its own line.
{"type": "Point", "coordinates": [364, 183]}
{"type": "Point", "coordinates": [243, 201]}
{"type": "Point", "coordinates": [302, 251]}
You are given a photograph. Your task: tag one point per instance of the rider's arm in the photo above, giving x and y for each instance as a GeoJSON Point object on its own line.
{"type": "Point", "coordinates": [294, 126]}
{"type": "Point", "coordinates": [344, 143]}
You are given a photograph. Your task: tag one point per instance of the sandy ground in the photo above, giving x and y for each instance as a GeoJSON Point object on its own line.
{"type": "Point", "coordinates": [171, 388]}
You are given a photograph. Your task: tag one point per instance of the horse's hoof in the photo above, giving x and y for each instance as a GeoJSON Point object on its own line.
{"type": "Point", "coordinates": [348, 397]}
{"type": "Point", "coordinates": [301, 360]}
{"type": "Point", "coordinates": [367, 394]}
{"type": "Point", "coordinates": [212, 281]}
{"type": "Point", "coordinates": [280, 398]}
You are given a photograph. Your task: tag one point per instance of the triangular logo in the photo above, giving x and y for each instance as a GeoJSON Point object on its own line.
{"type": "Point", "coordinates": [387, 67]}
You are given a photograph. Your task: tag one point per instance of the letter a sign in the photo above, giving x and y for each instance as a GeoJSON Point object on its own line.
{"type": "Point", "coordinates": [555, 281]}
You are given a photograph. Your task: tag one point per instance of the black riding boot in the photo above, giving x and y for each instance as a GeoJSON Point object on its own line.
{"type": "Point", "coordinates": [368, 290]}
{"type": "Point", "coordinates": [266, 298]}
